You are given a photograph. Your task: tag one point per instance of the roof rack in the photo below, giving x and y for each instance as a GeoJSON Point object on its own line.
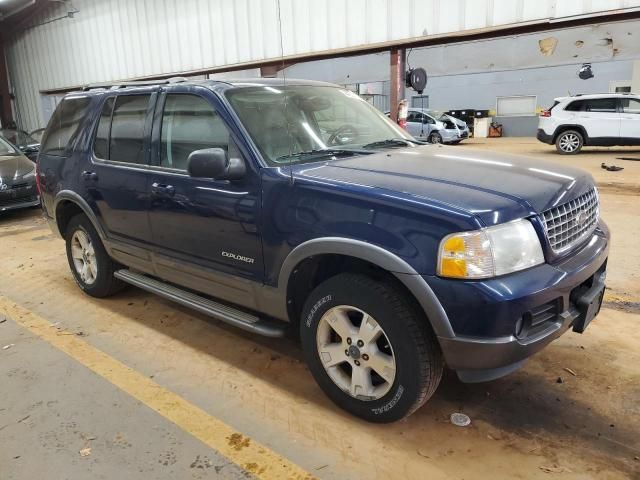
{"type": "Point", "coordinates": [142, 83]}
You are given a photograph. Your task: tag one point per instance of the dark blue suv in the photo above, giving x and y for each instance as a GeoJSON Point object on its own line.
{"type": "Point", "coordinates": [296, 206]}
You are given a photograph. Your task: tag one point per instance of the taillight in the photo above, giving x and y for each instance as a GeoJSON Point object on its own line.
{"type": "Point", "coordinates": [545, 113]}
{"type": "Point", "coordinates": [38, 186]}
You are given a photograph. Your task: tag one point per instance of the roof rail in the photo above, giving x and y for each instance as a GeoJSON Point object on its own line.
{"type": "Point", "coordinates": [141, 83]}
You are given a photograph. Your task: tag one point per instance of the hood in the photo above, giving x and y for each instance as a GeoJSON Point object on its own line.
{"type": "Point", "coordinates": [457, 121]}
{"type": "Point", "coordinates": [494, 187]}
{"type": "Point", "coordinates": [14, 166]}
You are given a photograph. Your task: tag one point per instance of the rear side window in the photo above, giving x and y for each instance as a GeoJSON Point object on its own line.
{"type": "Point", "coordinates": [630, 105]}
{"type": "Point", "coordinates": [64, 125]}
{"type": "Point", "coordinates": [604, 105]}
{"type": "Point", "coordinates": [575, 106]}
{"type": "Point", "coordinates": [101, 144]}
{"type": "Point", "coordinates": [189, 123]}
{"type": "Point", "coordinates": [126, 141]}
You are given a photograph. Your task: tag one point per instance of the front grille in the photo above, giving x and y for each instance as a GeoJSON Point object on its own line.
{"type": "Point", "coordinates": [569, 223]}
{"type": "Point", "coordinates": [6, 202]}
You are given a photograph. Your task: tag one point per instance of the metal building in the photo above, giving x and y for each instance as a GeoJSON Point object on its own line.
{"type": "Point", "coordinates": [53, 47]}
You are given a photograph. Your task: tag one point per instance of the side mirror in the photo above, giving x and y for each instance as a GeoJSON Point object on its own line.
{"type": "Point", "coordinates": [214, 163]}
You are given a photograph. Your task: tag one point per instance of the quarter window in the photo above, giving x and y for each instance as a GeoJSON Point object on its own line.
{"type": "Point", "coordinates": [630, 105]}
{"type": "Point", "coordinates": [575, 106]}
{"type": "Point", "coordinates": [189, 123]}
{"type": "Point", "coordinates": [63, 126]}
{"type": "Point", "coordinates": [602, 105]}
{"type": "Point", "coordinates": [126, 142]}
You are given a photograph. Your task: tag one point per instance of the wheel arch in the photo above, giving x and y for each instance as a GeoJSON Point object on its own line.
{"type": "Point", "coordinates": [564, 128]}
{"type": "Point", "coordinates": [366, 254]}
{"type": "Point", "coordinates": [68, 204]}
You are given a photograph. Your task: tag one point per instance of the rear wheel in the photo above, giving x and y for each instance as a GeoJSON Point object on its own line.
{"type": "Point", "coordinates": [569, 142]}
{"type": "Point", "coordinates": [369, 348]}
{"type": "Point", "coordinates": [91, 266]}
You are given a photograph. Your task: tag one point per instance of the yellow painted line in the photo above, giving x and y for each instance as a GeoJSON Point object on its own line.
{"type": "Point", "coordinates": [252, 457]}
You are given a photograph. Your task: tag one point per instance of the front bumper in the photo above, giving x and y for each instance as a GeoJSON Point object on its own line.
{"type": "Point", "coordinates": [499, 323]}
{"type": "Point", "coordinates": [14, 198]}
{"type": "Point", "coordinates": [452, 135]}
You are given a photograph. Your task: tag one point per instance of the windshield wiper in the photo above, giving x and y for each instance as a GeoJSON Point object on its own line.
{"type": "Point", "coordinates": [390, 142]}
{"type": "Point", "coordinates": [317, 153]}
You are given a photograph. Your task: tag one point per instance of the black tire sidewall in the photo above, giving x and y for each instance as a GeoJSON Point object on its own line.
{"type": "Point", "coordinates": [435, 135]}
{"type": "Point", "coordinates": [403, 395]}
{"type": "Point", "coordinates": [103, 283]}
{"type": "Point", "coordinates": [567, 132]}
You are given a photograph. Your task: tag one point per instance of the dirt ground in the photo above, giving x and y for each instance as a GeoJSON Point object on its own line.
{"type": "Point", "coordinates": [572, 412]}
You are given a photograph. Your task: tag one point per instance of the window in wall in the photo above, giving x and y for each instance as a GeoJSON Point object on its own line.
{"type": "Point", "coordinates": [126, 142]}
{"type": "Point", "coordinates": [189, 123]}
{"type": "Point", "coordinates": [63, 126]}
{"type": "Point", "coordinates": [101, 143]}
{"type": "Point", "coordinates": [602, 105]}
{"type": "Point", "coordinates": [630, 105]}
{"type": "Point", "coordinates": [420, 101]}
{"type": "Point", "coordinates": [521, 105]}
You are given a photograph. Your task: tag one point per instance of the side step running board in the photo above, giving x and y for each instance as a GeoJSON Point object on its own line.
{"type": "Point", "coordinates": [238, 318]}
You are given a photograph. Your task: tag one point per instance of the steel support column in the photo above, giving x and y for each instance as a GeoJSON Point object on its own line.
{"type": "Point", "coordinates": [396, 75]}
{"type": "Point", "coordinates": [6, 115]}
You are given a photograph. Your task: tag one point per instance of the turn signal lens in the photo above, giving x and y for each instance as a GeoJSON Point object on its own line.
{"type": "Point", "coordinates": [490, 252]}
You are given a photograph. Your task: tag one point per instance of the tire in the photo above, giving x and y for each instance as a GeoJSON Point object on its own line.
{"type": "Point", "coordinates": [569, 142]}
{"type": "Point", "coordinates": [435, 138]}
{"type": "Point", "coordinates": [84, 242]}
{"type": "Point", "coordinates": [416, 365]}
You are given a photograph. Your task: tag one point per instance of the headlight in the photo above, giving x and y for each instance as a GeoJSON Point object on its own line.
{"type": "Point", "coordinates": [32, 173]}
{"type": "Point", "coordinates": [490, 252]}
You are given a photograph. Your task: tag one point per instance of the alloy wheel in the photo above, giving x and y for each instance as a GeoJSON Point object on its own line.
{"type": "Point", "coordinates": [84, 257]}
{"type": "Point", "coordinates": [356, 353]}
{"type": "Point", "coordinates": [569, 143]}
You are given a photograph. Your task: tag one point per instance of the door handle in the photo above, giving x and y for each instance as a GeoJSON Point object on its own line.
{"type": "Point", "coordinates": [162, 189]}
{"type": "Point", "coordinates": [89, 175]}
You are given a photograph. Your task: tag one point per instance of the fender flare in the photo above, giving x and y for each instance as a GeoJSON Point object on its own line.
{"type": "Point", "coordinates": [73, 197]}
{"type": "Point", "coordinates": [380, 257]}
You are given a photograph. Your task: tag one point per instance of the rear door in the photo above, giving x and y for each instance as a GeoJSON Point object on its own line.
{"type": "Point", "coordinates": [201, 227]}
{"type": "Point", "coordinates": [116, 180]}
{"type": "Point", "coordinates": [601, 118]}
{"type": "Point", "coordinates": [630, 121]}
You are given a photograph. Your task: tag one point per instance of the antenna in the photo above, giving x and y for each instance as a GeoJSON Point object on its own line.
{"type": "Point", "coordinates": [284, 82]}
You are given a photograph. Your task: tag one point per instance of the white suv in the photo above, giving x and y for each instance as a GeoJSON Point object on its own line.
{"type": "Point", "coordinates": [603, 119]}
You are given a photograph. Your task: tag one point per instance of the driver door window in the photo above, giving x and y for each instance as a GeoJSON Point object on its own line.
{"type": "Point", "coordinates": [189, 123]}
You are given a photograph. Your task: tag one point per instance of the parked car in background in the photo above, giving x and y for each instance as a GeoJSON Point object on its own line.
{"type": "Point", "coordinates": [28, 145]}
{"type": "Point", "coordinates": [17, 179]}
{"type": "Point", "coordinates": [301, 208]}
{"type": "Point", "coordinates": [435, 127]}
{"type": "Point", "coordinates": [608, 119]}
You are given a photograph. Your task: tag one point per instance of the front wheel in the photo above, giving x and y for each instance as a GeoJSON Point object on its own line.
{"type": "Point", "coordinates": [435, 138]}
{"type": "Point", "coordinates": [569, 142]}
{"type": "Point", "coordinates": [369, 348]}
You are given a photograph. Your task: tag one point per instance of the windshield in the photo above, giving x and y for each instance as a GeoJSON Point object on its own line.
{"type": "Point", "coordinates": [316, 122]}
{"type": "Point", "coordinates": [6, 148]}
{"type": "Point", "coordinates": [18, 137]}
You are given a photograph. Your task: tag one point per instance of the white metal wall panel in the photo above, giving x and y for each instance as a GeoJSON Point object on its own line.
{"type": "Point", "coordinates": [120, 39]}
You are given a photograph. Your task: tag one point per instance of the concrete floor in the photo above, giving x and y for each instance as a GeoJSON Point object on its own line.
{"type": "Point", "coordinates": [53, 404]}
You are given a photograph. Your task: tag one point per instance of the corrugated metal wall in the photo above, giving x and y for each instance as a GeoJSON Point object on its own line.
{"type": "Point", "coordinates": [120, 39]}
